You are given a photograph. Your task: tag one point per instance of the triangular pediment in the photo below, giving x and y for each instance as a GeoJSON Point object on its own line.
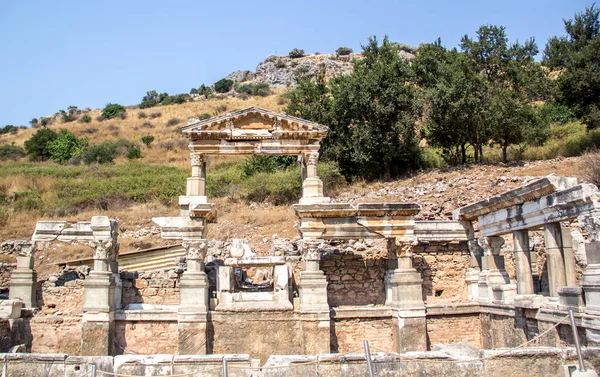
{"type": "Point", "coordinates": [254, 123]}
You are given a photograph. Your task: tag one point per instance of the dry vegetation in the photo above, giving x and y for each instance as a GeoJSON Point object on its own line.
{"type": "Point", "coordinates": [168, 145]}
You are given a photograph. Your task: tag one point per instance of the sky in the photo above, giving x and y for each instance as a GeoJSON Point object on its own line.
{"type": "Point", "coordinates": [54, 54]}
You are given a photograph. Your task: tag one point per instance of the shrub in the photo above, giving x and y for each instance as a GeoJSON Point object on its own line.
{"type": "Point", "coordinates": [85, 118]}
{"type": "Point", "coordinates": [11, 152]}
{"type": "Point", "coordinates": [103, 153]}
{"type": "Point", "coordinates": [90, 130]}
{"type": "Point", "coordinates": [8, 129]}
{"type": "Point", "coordinates": [65, 146]}
{"type": "Point", "coordinates": [147, 140]}
{"type": "Point", "coordinates": [45, 122]}
{"type": "Point", "coordinates": [223, 85]}
{"type": "Point", "coordinates": [266, 164]}
{"type": "Point", "coordinates": [262, 89]}
{"type": "Point", "coordinates": [203, 116]}
{"type": "Point", "coordinates": [221, 108]}
{"type": "Point", "coordinates": [33, 122]}
{"type": "Point", "coordinates": [156, 114]}
{"type": "Point", "coordinates": [167, 145]}
{"type": "Point", "coordinates": [182, 144]}
{"type": "Point", "coordinates": [173, 122]}
{"type": "Point", "coordinates": [343, 51]}
{"type": "Point", "coordinates": [112, 127]}
{"type": "Point", "coordinates": [100, 118]}
{"type": "Point", "coordinates": [37, 145]}
{"type": "Point", "coordinates": [112, 110]}
{"type": "Point", "coordinates": [147, 125]}
{"type": "Point", "coordinates": [141, 115]}
{"type": "Point", "coordinates": [590, 166]}
{"type": "Point", "coordinates": [133, 152]}
{"type": "Point", "coordinates": [296, 53]}
{"type": "Point", "coordinates": [279, 63]}
{"type": "Point", "coordinates": [122, 115]}
{"type": "Point", "coordinates": [68, 116]}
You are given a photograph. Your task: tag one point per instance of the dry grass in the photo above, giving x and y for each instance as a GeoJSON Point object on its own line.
{"type": "Point", "coordinates": [131, 128]}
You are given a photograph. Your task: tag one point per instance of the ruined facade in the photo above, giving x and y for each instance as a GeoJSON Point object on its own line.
{"type": "Point", "coordinates": [322, 300]}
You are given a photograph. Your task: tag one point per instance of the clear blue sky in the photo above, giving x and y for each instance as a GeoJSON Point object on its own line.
{"type": "Point", "coordinates": [87, 53]}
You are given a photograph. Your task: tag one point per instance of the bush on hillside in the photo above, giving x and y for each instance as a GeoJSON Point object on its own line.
{"type": "Point", "coordinates": [156, 114]}
{"type": "Point", "coordinates": [266, 164]}
{"type": "Point", "coordinates": [103, 153]}
{"type": "Point", "coordinates": [85, 118]}
{"type": "Point", "coordinates": [203, 116]}
{"type": "Point", "coordinates": [45, 122]}
{"type": "Point", "coordinates": [9, 129]}
{"type": "Point", "coordinates": [37, 145]}
{"type": "Point", "coordinates": [261, 89]}
{"type": "Point", "coordinates": [173, 122]}
{"type": "Point", "coordinates": [343, 51]}
{"type": "Point", "coordinates": [147, 125]}
{"type": "Point", "coordinates": [223, 86]}
{"type": "Point", "coordinates": [141, 115]}
{"type": "Point", "coordinates": [33, 122]}
{"type": "Point", "coordinates": [11, 152]}
{"type": "Point", "coordinates": [147, 140]}
{"type": "Point", "coordinates": [112, 110]}
{"type": "Point", "coordinates": [133, 152]}
{"type": "Point", "coordinates": [296, 53]}
{"type": "Point", "coordinates": [66, 146]}
{"type": "Point", "coordinates": [90, 130]}
{"type": "Point", "coordinates": [100, 118]}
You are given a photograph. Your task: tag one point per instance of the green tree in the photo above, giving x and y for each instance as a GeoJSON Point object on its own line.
{"type": "Point", "coordinates": [33, 122]}
{"type": "Point", "coordinates": [11, 152]}
{"type": "Point", "coordinates": [343, 51]}
{"type": "Point", "coordinates": [45, 122]}
{"type": "Point", "coordinates": [452, 90]}
{"type": "Point", "coordinates": [103, 153]}
{"type": "Point", "coordinates": [311, 99]}
{"type": "Point", "coordinates": [223, 86]}
{"type": "Point", "coordinates": [576, 57]}
{"type": "Point", "coordinates": [193, 91]}
{"type": "Point", "coordinates": [512, 81]}
{"type": "Point", "coordinates": [133, 152]}
{"type": "Point", "coordinates": [296, 53]}
{"type": "Point", "coordinates": [112, 110]}
{"type": "Point", "coordinates": [66, 146]}
{"type": "Point", "coordinates": [147, 140]}
{"type": "Point", "coordinates": [37, 145]}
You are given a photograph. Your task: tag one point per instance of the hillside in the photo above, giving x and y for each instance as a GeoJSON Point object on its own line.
{"type": "Point", "coordinates": [439, 191]}
{"type": "Point", "coordinates": [168, 144]}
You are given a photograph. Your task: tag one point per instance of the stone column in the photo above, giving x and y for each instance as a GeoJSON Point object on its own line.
{"type": "Point", "coordinates": [99, 302]}
{"type": "Point", "coordinates": [492, 267]}
{"type": "Point", "coordinates": [23, 280]}
{"type": "Point", "coordinates": [569, 257]}
{"type": "Point", "coordinates": [472, 278]}
{"type": "Point", "coordinates": [554, 258]}
{"type": "Point", "coordinates": [406, 301]}
{"type": "Point", "coordinates": [591, 278]}
{"type": "Point", "coordinates": [523, 262]}
{"type": "Point", "coordinates": [193, 307]}
{"type": "Point", "coordinates": [314, 308]}
{"type": "Point", "coordinates": [312, 186]}
{"type": "Point", "coordinates": [196, 184]}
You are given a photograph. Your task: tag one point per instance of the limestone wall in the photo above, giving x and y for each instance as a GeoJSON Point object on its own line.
{"type": "Point", "coordinates": [160, 287]}
{"type": "Point", "coordinates": [146, 337]}
{"type": "Point", "coordinates": [443, 268]}
{"type": "Point", "coordinates": [355, 278]}
{"type": "Point", "coordinates": [5, 270]}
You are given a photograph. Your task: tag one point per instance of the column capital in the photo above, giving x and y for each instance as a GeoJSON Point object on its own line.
{"type": "Point", "coordinates": [311, 249]}
{"type": "Point", "coordinates": [26, 249]}
{"type": "Point", "coordinates": [195, 250]}
{"type": "Point", "coordinates": [491, 245]}
{"type": "Point", "coordinates": [197, 159]}
{"type": "Point", "coordinates": [105, 249]}
{"type": "Point", "coordinates": [311, 158]}
{"type": "Point", "coordinates": [591, 223]}
{"type": "Point", "coordinates": [474, 247]}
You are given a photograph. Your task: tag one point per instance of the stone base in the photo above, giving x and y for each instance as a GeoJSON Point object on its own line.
{"type": "Point", "coordinates": [22, 287]}
{"type": "Point", "coordinates": [99, 292]}
{"type": "Point", "coordinates": [316, 331]}
{"type": "Point", "coordinates": [529, 301]}
{"type": "Point", "coordinates": [10, 309]}
{"type": "Point", "coordinates": [191, 339]}
{"type": "Point", "coordinates": [472, 280]}
{"type": "Point", "coordinates": [312, 287]}
{"type": "Point", "coordinates": [312, 192]}
{"type": "Point", "coordinates": [504, 294]}
{"type": "Point", "coordinates": [410, 331]}
{"type": "Point", "coordinates": [97, 338]}
{"type": "Point", "coordinates": [405, 287]}
{"type": "Point", "coordinates": [570, 298]}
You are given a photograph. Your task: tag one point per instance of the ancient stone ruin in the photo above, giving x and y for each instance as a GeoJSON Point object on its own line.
{"type": "Point", "coordinates": [358, 272]}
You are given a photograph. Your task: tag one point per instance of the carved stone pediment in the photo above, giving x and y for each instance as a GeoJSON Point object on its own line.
{"type": "Point", "coordinates": [253, 123]}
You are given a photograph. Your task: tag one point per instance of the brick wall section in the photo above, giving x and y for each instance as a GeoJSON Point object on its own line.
{"type": "Point", "coordinates": [355, 278]}
{"type": "Point", "coordinates": [146, 337]}
{"type": "Point", "coordinates": [60, 300]}
{"type": "Point", "coordinates": [55, 334]}
{"type": "Point", "coordinates": [347, 335]}
{"type": "Point", "coordinates": [443, 267]}
{"type": "Point", "coordinates": [454, 329]}
{"type": "Point", "coordinates": [161, 287]}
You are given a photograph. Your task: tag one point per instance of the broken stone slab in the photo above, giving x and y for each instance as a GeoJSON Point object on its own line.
{"type": "Point", "coordinates": [181, 227]}
{"type": "Point", "coordinates": [520, 195]}
{"type": "Point", "coordinates": [458, 351]}
{"type": "Point", "coordinates": [48, 230]}
{"type": "Point", "coordinates": [10, 309]}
